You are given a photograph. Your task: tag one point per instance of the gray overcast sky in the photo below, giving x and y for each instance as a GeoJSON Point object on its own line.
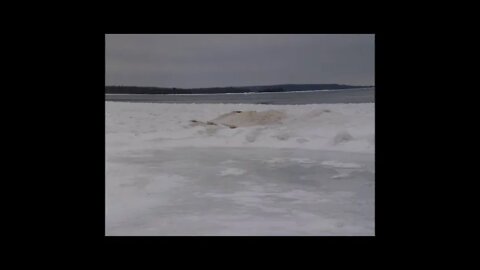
{"type": "Point", "coordinates": [209, 60]}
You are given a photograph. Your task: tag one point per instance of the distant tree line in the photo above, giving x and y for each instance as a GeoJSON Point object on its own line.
{"type": "Point", "coordinates": [219, 90]}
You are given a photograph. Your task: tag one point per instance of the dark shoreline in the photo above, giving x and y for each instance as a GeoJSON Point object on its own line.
{"type": "Point", "coordinates": [228, 90]}
{"type": "Point", "coordinates": [363, 95]}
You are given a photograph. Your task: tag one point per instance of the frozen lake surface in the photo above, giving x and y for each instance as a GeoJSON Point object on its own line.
{"type": "Point", "coordinates": [240, 191]}
{"type": "Point", "coordinates": [361, 95]}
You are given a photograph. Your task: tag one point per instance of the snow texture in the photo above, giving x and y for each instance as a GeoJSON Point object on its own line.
{"type": "Point", "coordinates": [309, 171]}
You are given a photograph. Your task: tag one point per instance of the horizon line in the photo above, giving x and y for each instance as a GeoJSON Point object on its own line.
{"type": "Point", "coordinates": [230, 86]}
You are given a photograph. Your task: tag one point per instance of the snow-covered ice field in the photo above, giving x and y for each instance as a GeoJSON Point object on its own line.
{"type": "Point", "coordinates": [312, 173]}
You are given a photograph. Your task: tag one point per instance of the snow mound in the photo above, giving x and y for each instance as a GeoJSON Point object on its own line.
{"type": "Point", "coordinates": [332, 127]}
{"type": "Point", "coordinates": [248, 118]}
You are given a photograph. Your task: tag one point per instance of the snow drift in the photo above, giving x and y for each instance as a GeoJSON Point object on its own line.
{"type": "Point", "coordinates": [337, 127]}
{"type": "Point", "coordinates": [248, 118]}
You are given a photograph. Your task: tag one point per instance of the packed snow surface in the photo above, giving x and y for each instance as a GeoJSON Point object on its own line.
{"type": "Point", "coordinates": [239, 169]}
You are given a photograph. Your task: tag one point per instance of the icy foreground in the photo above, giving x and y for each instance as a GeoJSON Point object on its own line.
{"type": "Point", "coordinates": [311, 174]}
